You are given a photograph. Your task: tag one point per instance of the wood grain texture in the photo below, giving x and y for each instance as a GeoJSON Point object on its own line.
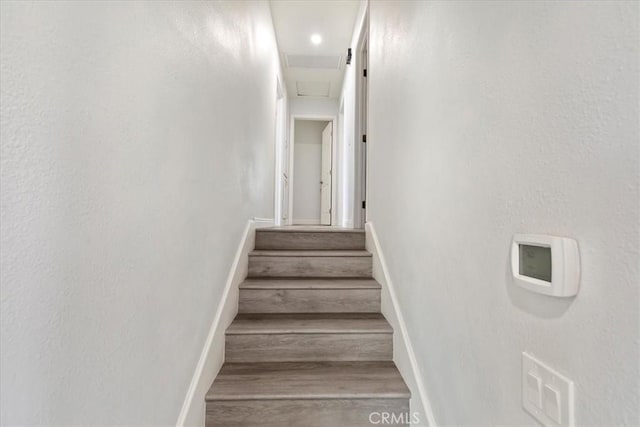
{"type": "Point", "coordinates": [309, 380]}
{"type": "Point", "coordinates": [305, 413]}
{"type": "Point", "coordinates": [308, 347]}
{"type": "Point", "coordinates": [309, 283]}
{"type": "Point", "coordinates": [309, 323]}
{"type": "Point", "coordinates": [309, 240]}
{"type": "Point", "coordinates": [310, 264]}
{"type": "Point", "coordinates": [313, 228]}
{"type": "Point", "coordinates": [309, 300]}
{"type": "Point", "coordinates": [314, 253]}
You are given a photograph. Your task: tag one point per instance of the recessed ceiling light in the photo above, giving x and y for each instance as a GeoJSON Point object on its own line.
{"type": "Point", "coordinates": [316, 38]}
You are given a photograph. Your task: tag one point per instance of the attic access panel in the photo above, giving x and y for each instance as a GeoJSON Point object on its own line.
{"type": "Point", "coordinates": [321, 89]}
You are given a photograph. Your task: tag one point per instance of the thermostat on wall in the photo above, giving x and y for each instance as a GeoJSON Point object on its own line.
{"type": "Point", "coordinates": [548, 265]}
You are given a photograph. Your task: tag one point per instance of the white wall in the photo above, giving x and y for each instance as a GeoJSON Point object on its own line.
{"type": "Point", "coordinates": [307, 170]}
{"type": "Point", "coordinates": [313, 107]}
{"type": "Point", "coordinates": [137, 140]}
{"type": "Point", "coordinates": [281, 149]}
{"type": "Point", "coordinates": [338, 169]}
{"type": "Point", "coordinates": [346, 149]}
{"type": "Point", "coordinates": [489, 119]}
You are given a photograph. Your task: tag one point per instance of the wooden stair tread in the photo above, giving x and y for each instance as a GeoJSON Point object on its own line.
{"type": "Point", "coordinates": [309, 346]}
{"type": "Point", "coordinates": [308, 380]}
{"type": "Point", "coordinates": [310, 323]}
{"type": "Point", "coordinates": [310, 239]}
{"type": "Point", "coordinates": [311, 229]}
{"type": "Point", "coordinates": [309, 283]}
{"type": "Point", "coordinates": [310, 253]}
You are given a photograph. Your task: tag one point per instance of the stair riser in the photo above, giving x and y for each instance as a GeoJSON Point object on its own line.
{"type": "Point", "coordinates": [287, 240]}
{"type": "Point", "coordinates": [310, 266]}
{"type": "Point", "coordinates": [309, 301]}
{"type": "Point", "coordinates": [307, 413]}
{"type": "Point", "coordinates": [308, 347]}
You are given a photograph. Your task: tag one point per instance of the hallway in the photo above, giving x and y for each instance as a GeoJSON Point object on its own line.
{"type": "Point", "coordinates": [484, 156]}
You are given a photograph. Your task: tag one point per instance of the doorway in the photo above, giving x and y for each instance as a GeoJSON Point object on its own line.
{"type": "Point", "coordinates": [312, 183]}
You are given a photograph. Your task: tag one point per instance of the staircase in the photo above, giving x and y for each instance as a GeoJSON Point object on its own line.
{"type": "Point", "coordinates": [309, 346]}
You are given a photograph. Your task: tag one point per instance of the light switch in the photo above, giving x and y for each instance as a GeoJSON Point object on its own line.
{"type": "Point", "coordinates": [546, 394]}
{"type": "Point", "coordinates": [533, 390]}
{"type": "Point", "coordinates": [552, 403]}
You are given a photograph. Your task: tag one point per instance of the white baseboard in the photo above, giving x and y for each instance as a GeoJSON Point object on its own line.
{"type": "Point", "coordinates": [264, 222]}
{"type": "Point", "coordinates": [403, 354]}
{"type": "Point", "coordinates": [212, 355]}
{"type": "Point", "coordinates": [306, 222]}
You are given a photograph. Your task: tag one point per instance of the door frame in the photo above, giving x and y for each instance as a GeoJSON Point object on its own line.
{"type": "Point", "coordinates": [361, 152]}
{"type": "Point", "coordinates": [292, 172]}
{"type": "Point", "coordinates": [280, 135]}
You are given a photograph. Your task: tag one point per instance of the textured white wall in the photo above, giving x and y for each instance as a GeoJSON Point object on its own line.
{"type": "Point", "coordinates": [488, 119]}
{"type": "Point", "coordinates": [346, 166]}
{"type": "Point", "coordinates": [313, 107]}
{"type": "Point", "coordinates": [346, 148]}
{"type": "Point", "coordinates": [137, 139]}
{"type": "Point", "coordinates": [307, 169]}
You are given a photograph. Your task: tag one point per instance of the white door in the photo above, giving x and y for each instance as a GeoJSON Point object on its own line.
{"type": "Point", "coordinates": [325, 177]}
{"type": "Point", "coordinates": [363, 131]}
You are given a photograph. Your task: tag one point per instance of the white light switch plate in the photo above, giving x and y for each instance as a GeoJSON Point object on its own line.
{"type": "Point", "coordinates": [555, 393]}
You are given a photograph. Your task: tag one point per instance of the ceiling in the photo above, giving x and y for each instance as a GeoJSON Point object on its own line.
{"type": "Point", "coordinates": [314, 70]}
